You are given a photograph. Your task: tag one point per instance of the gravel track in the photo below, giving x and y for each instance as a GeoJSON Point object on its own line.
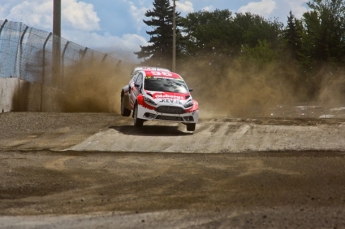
{"type": "Point", "coordinates": [51, 179]}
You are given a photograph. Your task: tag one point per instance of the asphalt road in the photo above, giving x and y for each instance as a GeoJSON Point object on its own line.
{"type": "Point", "coordinates": [97, 171]}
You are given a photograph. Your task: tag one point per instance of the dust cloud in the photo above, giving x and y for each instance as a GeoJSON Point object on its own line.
{"type": "Point", "coordinates": [332, 89]}
{"type": "Point", "coordinates": [234, 89]}
{"type": "Point", "coordinates": [238, 88]}
{"type": "Point", "coordinates": [94, 86]}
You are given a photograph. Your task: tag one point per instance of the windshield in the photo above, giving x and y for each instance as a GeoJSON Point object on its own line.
{"type": "Point", "coordinates": [165, 84]}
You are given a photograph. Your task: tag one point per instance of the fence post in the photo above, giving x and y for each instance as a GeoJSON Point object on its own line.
{"type": "Point", "coordinates": [3, 25]}
{"type": "Point", "coordinates": [21, 51]}
{"type": "Point", "coordinates": [82, 56]}
{"type": "Point", "coordinates": [63, 62]}
{"type": "Point", "coordinates": [43, 68]}
{"type": "Point", "coordinates": [118, 64]}
{"type": "Point", "coordinates": [18, 68]}
{"type": "Point", "coordinates": [105, 56]}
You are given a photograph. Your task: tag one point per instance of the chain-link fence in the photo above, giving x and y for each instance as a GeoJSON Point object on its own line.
{"type": "Point", "coordinates": [27, 53]}
{"type": "Point", "coordinates": [39, 59]}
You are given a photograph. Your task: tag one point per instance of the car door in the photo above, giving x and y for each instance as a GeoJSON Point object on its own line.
{"type": "Point", "coordinates": [135, 89]}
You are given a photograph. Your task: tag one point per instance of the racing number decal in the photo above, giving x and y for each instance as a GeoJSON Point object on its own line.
{"type": "Point", "coordinates": [156, 73]}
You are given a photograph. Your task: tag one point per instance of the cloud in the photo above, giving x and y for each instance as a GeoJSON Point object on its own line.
{"type": "Point", "coordinates": [80, 24]}
{"type": "Point", "coordinates": [184, 6]}
{"type": "Point", "coordinates": [120, 47]}
{"type": "Point", "coordinates": [263, 8]}
{"type": "Point", "coordinates": [297, 7]}
{"type": "Point", "coordinates": [39, 14]}
{"type": "Point", "coordinates": [33, 13]}
{"type": "Point", "coordinates": [3, 11]}
{"type": "Point", "coordinates": [208, 8]}
{"type": "Point", "coordinates": [138, 15]}
{"type": "Point", "coordinates": [80, 15]}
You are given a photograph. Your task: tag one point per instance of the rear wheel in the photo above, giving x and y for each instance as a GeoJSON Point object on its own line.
{"type": "Point", "coordinates": [137, 121]}
{"type": "Point", "coordinates": [191, 126]}
{"type": "Point", "coordinates": [124, 111]}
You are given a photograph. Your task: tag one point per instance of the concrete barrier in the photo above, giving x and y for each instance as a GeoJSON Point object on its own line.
{"type": "Point", "coordinates": [19, 95]}
{"type": "Point", "coordinates": [8, 88]}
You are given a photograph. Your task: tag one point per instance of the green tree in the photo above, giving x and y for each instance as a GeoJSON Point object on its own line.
{"type": "Point", "coordinates": [323, 43]}
{"type": "Point", "coordinates": [292, 35]}
{"type": "Point", "coordinates": [262, 54]}
{"type": "Point", "coordinates": [251, 28]}
{"type": "Point", "coordinates": [325, 29]}
{"type": "Point", "coordinates": [207, 31]}
{"type": "Point", "coordinates": [159, 50]}
{"type": "Point", "coordinates": [223, 33]}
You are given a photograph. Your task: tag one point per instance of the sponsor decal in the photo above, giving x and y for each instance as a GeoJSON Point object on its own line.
{"type": "Point", "coordinates": [173, 101]}
{"type": "Point", "coordinates": [166, 96]}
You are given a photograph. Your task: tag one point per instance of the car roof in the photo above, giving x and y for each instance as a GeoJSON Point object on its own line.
{"type": "Point", "coordinates": [163, 74]}
{"type": "Point", "coordinates": [144, 68]}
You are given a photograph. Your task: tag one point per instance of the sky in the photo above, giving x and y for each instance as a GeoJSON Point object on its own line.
{"type": "Point", "coordinates": [117, 27]}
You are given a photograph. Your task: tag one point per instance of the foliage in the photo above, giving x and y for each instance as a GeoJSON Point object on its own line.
{"type": "Point", "coordinates": [159, 50]}
{"type": "Point", "coordinates": [303, 55]}
{"type": "Point", "coordinates": [206, 31]}
{"type": "Point", "coordinates": [222, 31]}
{"type": "Point", "coordinates": [292, 35]}
{"type": "Point", "coordinates": [262, 53]}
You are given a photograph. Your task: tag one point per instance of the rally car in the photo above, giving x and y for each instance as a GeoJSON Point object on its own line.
{"type": "Point", "coordinates": [158, 94]}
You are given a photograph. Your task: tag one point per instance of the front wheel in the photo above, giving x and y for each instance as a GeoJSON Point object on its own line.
{"type": "Point", "coordinates": [137, 121]}
{"type": "Point", "coordinates": [124, 111]}
{"type": "Point", "coordinates": [191, 126]}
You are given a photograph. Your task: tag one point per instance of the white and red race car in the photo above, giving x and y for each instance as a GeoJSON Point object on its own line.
{"type": "Point", "coordinates": [158, 94]}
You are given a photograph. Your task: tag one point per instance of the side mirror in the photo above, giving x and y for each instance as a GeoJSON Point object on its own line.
{"type": "Point", "coordinates": [190, 89]}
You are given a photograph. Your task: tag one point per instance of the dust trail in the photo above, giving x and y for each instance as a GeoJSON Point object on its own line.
{"type": "Point", "coordinates": [224, 88]}
{"type": "Point", "coordinates": [237, 90]}
{"type": "Point", "coordinates": [332, 88]}
{"type": "Point", "coordinates": [94, 86]}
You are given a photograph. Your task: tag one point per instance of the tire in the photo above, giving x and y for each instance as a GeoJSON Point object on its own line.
{"type": "Point", "coordinates": [191, 126]}
{"type": "Point", "coordinates": [124, 111]}
{"type": "Point", "coordinates": [137, 121]}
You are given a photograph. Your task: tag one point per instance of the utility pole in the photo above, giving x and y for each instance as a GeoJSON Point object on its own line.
{"type": "Point", "coordinates": [174, 37]}
{"type": "Point", "coordinates": [56, 41]}
{"type": "Point", "coordinates": [57, 18]}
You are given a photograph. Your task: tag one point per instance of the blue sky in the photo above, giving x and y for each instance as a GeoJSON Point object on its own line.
{"type": "Point", "coordinates": [116, 26]}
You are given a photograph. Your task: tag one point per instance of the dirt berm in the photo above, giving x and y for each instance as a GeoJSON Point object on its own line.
{"type": "Point", "coordinates": [95, 170]}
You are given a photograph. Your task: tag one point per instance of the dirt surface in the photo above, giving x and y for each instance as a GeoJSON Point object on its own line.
{"type": "Point", "coordinates": [87, 170]}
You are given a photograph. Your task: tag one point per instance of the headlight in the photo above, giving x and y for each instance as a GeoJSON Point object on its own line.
{"type": "Point", "coordinates": [188, 104]}
{"type": "Point", "coordinates": [149, 101]}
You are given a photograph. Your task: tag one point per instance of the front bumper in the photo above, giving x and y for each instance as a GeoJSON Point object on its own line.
{"type": "Point", "coordinates": [149, 114]}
